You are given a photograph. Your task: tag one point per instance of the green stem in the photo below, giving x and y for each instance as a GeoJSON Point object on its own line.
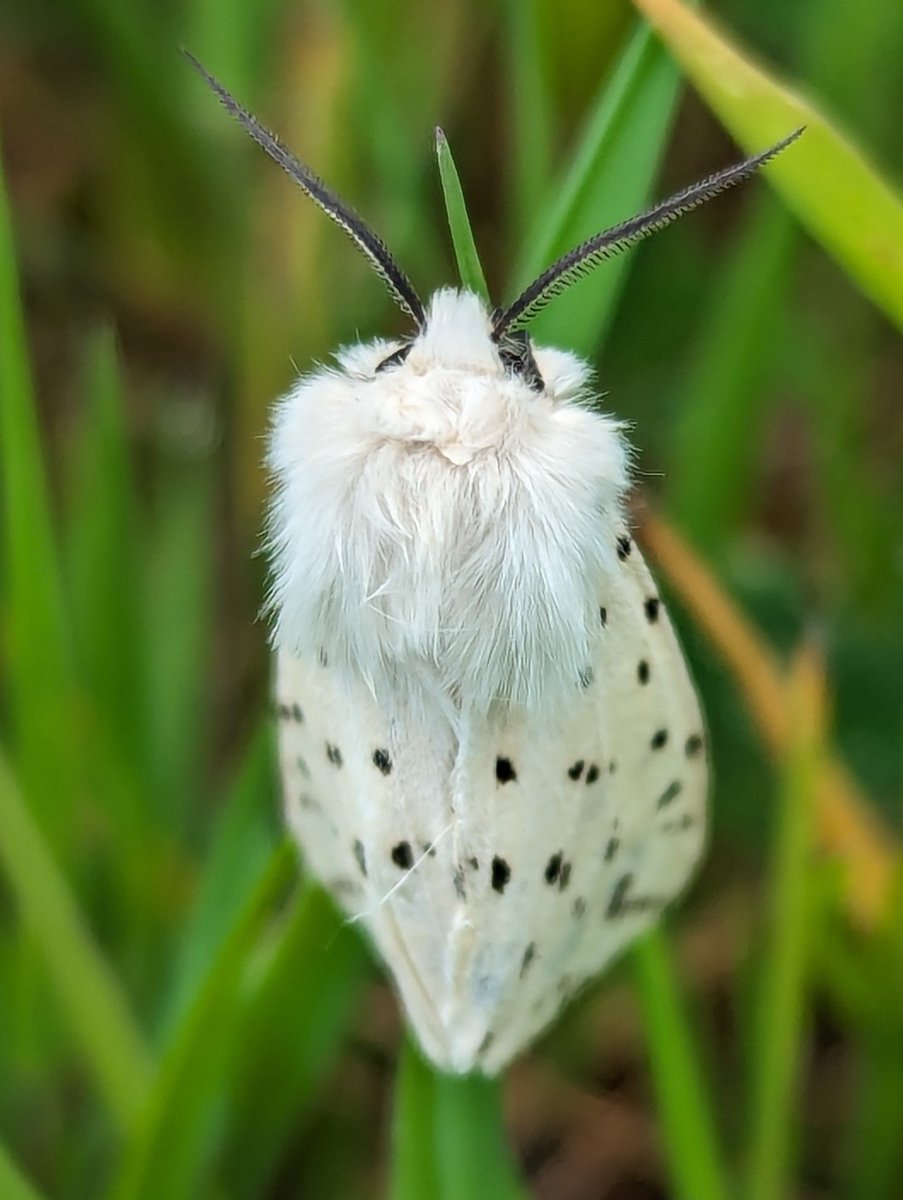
{"type": "Point", "coordinates": [688, 1124]}
{"type": "Point", "coordinates": [469, 267]}
{"type": "Point", "coordinates": [88, 991]}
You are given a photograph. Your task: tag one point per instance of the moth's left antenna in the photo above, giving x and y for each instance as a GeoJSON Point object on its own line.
{"type": "Point", "coordinates": [370, 244]}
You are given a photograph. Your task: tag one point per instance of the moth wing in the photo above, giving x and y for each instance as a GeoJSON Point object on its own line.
{"type": "Point", "coordinates": [594, 822]}
{"type": "Point", "coordinates": [498, 866]}
{"type": "Point", "coordinates": [369, 801]}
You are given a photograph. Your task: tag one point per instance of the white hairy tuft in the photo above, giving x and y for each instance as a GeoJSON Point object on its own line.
{"type": "Point", "coordinates": [440, 521]}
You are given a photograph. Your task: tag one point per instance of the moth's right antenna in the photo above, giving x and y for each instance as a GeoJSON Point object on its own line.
{"type": "Point", "coordinates": [371, 246]}
{"type": "Point", "coordinates": [588, 254]}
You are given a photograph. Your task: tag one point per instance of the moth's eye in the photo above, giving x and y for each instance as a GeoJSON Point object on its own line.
{"type": "Point", "coordinates": [396, 358]}
{"type": "Point", "coordinates": [517, 356]}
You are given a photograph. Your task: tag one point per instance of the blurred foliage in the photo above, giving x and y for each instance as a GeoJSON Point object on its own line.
{"type": "Point", "coordinates": [179, 1016]}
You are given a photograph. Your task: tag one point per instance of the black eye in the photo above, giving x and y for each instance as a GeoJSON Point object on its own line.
{"type": "Point", "coordinates": [396, 358]}
{"type": "Point", "coordinates": [517, 356]}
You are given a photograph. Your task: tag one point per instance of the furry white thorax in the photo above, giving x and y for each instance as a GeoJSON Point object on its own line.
{"type": "Point", "coordinates": [440, 524]}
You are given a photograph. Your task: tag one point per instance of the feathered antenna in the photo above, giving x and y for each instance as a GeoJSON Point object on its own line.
{"type": "Point", "coordinates": [590, 253]}
{"type": "Point", "coordinates": [371, 246]}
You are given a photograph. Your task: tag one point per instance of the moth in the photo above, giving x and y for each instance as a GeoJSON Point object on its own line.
{"type": "Point", "coordinates": [491, 750]}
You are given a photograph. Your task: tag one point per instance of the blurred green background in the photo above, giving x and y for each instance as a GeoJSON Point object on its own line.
{"type": "Point", "coordinates": [180, 1016]}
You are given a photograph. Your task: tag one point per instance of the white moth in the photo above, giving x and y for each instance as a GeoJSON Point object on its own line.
{"type": "Point", "coordinates": [491, 750]}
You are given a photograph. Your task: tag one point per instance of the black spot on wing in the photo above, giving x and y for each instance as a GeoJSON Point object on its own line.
{"type": "Point", "coordinates": [360, 855]}
{"type": "Point", "coordinates": [322, 658]}
{"type": "Point", "coordinates": [680, 825]}
{"type": "Point", "coordinates": [586, 677]}
{"type": "Point", "coordinates": [651, 607]}
{"type": "Point", "coordinates": [611, 849]}
{"type": "Point", "coordinates": [402, 855]}
{"type": "Point", "coordinates": [334, 754]}
{"type": "Point", "coordinates": [617, 903]}
{"type": "Point", "coordinates": [553, 868]}
{"type": "Point", "coordinates": [579, 908]}
{"type": "Point", "coordinates": [642, 671]}
{"type": "Point", "coordinates": [659, 739]}
{"type": "Point", "coordinates": [592, 774]}
{"type": "Point", "coordinates": [504, 770]}
{"type": "Point", "coordinates": [558, 871]}
{"type": "Point", "coordinates": [501, 874]}
{"type": "Point", "coordinates": [529, 955]}
{"type": "Point", "coordinates": [671, 792]}
{"type": "Point", "coordinates": [625, 545]}
{"type": "Point", "coordinates": [291, 712]}
{"type": "Point", "coordinates": [693, 745]}
{"type": "Point", "coordinates": [576, 770]}
{"type": "Point", "coordinates": [382, 760]}
{"type": "Point", "coordinates": [603, 616]}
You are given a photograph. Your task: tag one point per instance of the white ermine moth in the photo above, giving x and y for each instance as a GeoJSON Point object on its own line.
{"type": "Point", "coordinates": [491, 750]}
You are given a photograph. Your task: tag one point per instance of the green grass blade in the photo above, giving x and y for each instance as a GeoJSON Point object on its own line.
{"type": "Point", "coordinates": [610, 177]}
{"type": "Point", "coordinates": [37, 668]}
{"type": "Point", "coordinates": [87, 991]}
{"type": "Point", "coordinates": [779, 1029]}
{"type": "Point", "coordinates": [472, 1152]}
{"type": "Point", "coordinates": [687, 1119]}
{"type": "Point", "coordinates": [173, 1138]}
{"type": "Point", "coordinates": [469, 268]}
{"type": "Point", "coordinates": [530, 109]}
{"type": "Point", "coordinates": [720, 412]}
{"type": "Point", "coordinates": [13, 1184]}
{"type": "Point", "coordinates": [414, 1169]}
{"type": "Point", "coordinates": [293, 1026]}
{"type": "Point", "coordinates": [178, 632]}
{"type": "Point", "coordinates": [824, 179]}
{"type": "Point", "coordinates": [103, 540]}
{"type": "Point", "coordinates": [244, 840]}
{"type": "Point", "coordinates": [875, 1169]}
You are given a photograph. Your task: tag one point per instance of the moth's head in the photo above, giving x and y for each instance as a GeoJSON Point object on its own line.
{"type": "Point", "coordinates": [458, 334]}
{"type": "Point", "coordinates": [457, 327]}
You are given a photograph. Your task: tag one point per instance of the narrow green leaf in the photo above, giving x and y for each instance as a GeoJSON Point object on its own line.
{"type": "Point", "coordinates": [293, 1026]}
{"type": "Point", "coordinates": [824, 179]}
{"type": "Point", "coordinates": [87, 990]}
{"type": "Point", "coordinates": [472, 1152]}
{"type": "Point", "coordinates": [530, 112]}
{"type": "Point", "coordinates": [414, 1168]}
{"type": "Point", "coordinates": [609, 177]}
{"type": "Point", "coordinates": [469, 267]}
{"type": "Point", "coordinates": [173, 1138]}
{"type": "Point", "coordinates": [687, 1119]}
{"type": "Point", "coordinates": [244, 840]}
{"type": "Point", "coordinates": [37, 670]}
{"type": "Point", "coordinates": [178, 581]}
{"type": "Point", "coordinates": [875, 1170]}
{"type": "Point", "coordinates": [13, 1184]}
{"type": "Point", "coordinates": [103, 539]}
{"type": "Point", "coordinates": [780, 1009]}
{"type": "Point", "coordinates": [720, 410]}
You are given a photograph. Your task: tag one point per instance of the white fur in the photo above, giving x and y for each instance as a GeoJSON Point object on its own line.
{"type": "Point", "coordinates": [440, 523]}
